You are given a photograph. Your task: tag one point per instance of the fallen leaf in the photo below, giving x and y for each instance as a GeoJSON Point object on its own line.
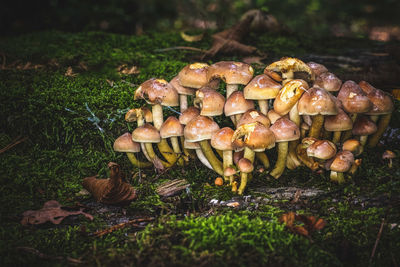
{"type": "Point", "coordinates": [70, 72]}
{"type": "Point", "coordinates": [125, 69]}
{"type": "Point", "coordinates": [305, 224]}
{"type": "Point", "coordinates": [51, 212]}
{"type": "Point", "coordinates": [191, 38]}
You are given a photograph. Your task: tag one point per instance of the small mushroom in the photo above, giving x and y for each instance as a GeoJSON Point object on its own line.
{"type": "Point", "coordinates": [389, 155]}
{"type": "Point", "coordinates": [124, 143]}
{"type": "Point", "coordinates": [288, 67]}
{"type": "Point", "coordinates": [222, 140]}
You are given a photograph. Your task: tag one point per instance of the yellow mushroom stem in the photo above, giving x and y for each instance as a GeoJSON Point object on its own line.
{"type": "Point", "coordinates": [158, 118]}
{"type": "Point", "coordinates": [363, 141]}
{"type": "Point", "coordinates": [144, 150]}
{"type": "Point", "coordinates": [212, 159]}
{"type": "Point", "coordinates": [238, 117]}
{"type": "Point", "coordinates": [189, 153]}
{"type": "Point", "coordinates": [250, 155]}
{"type": "Point", "coordinates": [227, 161]}
{"type": "Point", "coordinates": [230, 89]}
{"type": "Point", "coordinates": [154, 158]}
{"type": "Point", "coordinates": [137, 163]}
{"type": "Point", "coordinates": [336, 137]}
{"type": "Point", "coordinates": [183, 103]}
{"type": "Point", "coordinates": [203, 159]}
{"type": "Point", "coordinates": [316, 126]}
{"type": "Point", "coordinates": [354, 166]}
{"type": "Point", "coordinates": [337, 177]}
{"type": "Point", "coordinates": [219, 152]}
{"type": "Point", "coordinates": [281, 162]}
{"type": "Point", "coordinates": [167, 152]}
{"type": "Point", "coordinates": [349, 133]}
{"type": "Point", "coordinates": [326, 135]}
{"type": "Point", "coordinates": [263, 105]}
{"type": "Point", "coordinates": [382, 125]}
{"type": "Point", "coordinates": [177, 150]}
{"type": "Point", "coordinates": [294, 117]}
{"type": "Point", "coordinates": [263, 158]}
{"type": "Point", "coordinates": [234, 186]}
{"type": "Point", "coordinates": [292, 161]}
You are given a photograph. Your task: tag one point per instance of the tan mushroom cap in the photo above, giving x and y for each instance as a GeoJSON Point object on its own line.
{"type": "Point", "coordinates": [237, 155]}
{"type": "Point", "coordinates": [322, 149]}
{"type": "Point", "coordinates": [229, 171]}
{"type": "Point", "coordinates": [132, 115]}
{"type": "Point", "coordinates": [231, 72]}
{"type": "Point", "coordinates": [317, 101]}
{"type": "Point", "coordinates": [364, 126]}
{"type": "Point", "coordinates": [382, 103]}
{"type": "Point", "coordinates": [305, 126]}
{"type": "Point", "coordinates": [285, 130]}
{"type": "Point", "coordinates": [388, 154]}
{"type": "Point", "coordinates": [191, 145]}
{"type": "Point", "coordinates": [189, 114]}
{"type": "Point", "coordinates": [339, 122]}
{"type": "Point", "coordinates": [353, 99]}
{"type": "Point", "coordinates": [342, 162]}
{"type": "Point", "coordinates": [317, 68]}
{"type": "Point", "coordinates": [181, 89]}
{"type": "Point", "coordinates": [253, 115]}
{"type": "Point", "coordinates": [273, 116]}
{"type": "Point", "coordinates": [288, 65]}
{"type": "Point", "coordinates": [200, 128]}
{"type": "Point", "coordinates": [245, 165]}
{"type": "Point", "coordinates": [222, 139]}
{"type": "Point", "coordinates": [171, 127]}
{"type": "Point", "coordinates": [328, 81]}
{"type": "Point", "coordinates": [262, 87]}
{"type": "Point", "coordinates": [237, 104]}
{"type": "Point", "coordinates": [289, 95]}
{"type": "Point", "coordinates": [254, 136]}
{"type": "Point", "coordinates": [146, 134]}
{"type": "Point", "coordinates": [124, 143]}
{"type": "Point", "coordinates": [157, 91]}
{"type": "Point", "coordinates": [194, 75]}
{"type": "Point", "coordinates": [210, 102]}
{"type": "Point", "coordinates": [352, 145]}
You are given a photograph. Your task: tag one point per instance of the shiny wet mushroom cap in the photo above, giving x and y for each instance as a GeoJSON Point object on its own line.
{"type": "Point", "coordinates": [194, 75]}
{"type": "Point", "coordinates": [317, 68]}
{"type": "Point", "coordinates": [328, 81]}
{"type": "Point", "coordinates": [200, 128]}
{"type": "Point", "coordinates": [124, 143]}
{"type": "Point", "coordinates": [189, 114]}
{"type": "Point", "coordinates": [209, 101]}
{"type": "Point", "coordinates": [253, 115]}
{"type": "Point", "coordinates": [322, 149]}
{"type": "Point", "coordinates": [231, 72]}
{"type": "Point", "coordinates": [353, 99]}
{"type": "Point", "coordinates": [237, 104]}
{"type": "Point", "coordinates": [146, 134]}
{"type": "Point", "coordinates": [261, 87]}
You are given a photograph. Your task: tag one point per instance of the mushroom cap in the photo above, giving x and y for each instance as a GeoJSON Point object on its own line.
{"type": "Point", "coordinates": [222, 139]}
{"type": "Point", "coordinates": [255, 136]}
{"type": "Point", "coordinates": [317, 101]}
{"type": "Point", "coordinates": [289, 95]}
{"type": "Point", "coordinates": [364, 126]}
{"type": "Point", "coordinates": [237, 104]}
{"type": "Point", "coordinates": [179, 88]}
{"type": "Point", "coordinates": [191, 145]}
{"type": "Point", "coordinates": [261, 87]}
{"type": "Point", "coordinates": [285, 130]}
{"type": "Point", "coordinates": [245, 165]}
{"type": "Point", "coordinates": [328, 81]}
{"type": "Point", "coordinates": [124, 143]}
{"type": "Point", "coordinates": [273, 116]}
{"type": "Point", "coordinates": [209, 101]}
{"type": "Point", "coordinates": [237, 155]}
{"type": "Point", "coordinates": [322, 149]}
{"type": "Point", "coordinates": [382, 103]}
{"type": "Point", "coordinates": [253, 115]}
{"type": "Point", "coordinates": [133, 114]}
{"type": "Point", "coordinates": [194, 75]}
{"type": "Point", "coordinates": [339, 122]}
{"type": "Point", "coordinates": [305, 126]}
{"type": "Point", "coordinates": [200, 128]}
{"type": "Point", "coordinates": [352, 145]}
{"type": "Point", "coordinates": [231, 72]}
{"type": "Point", "coordinates": [189, 114]}
{"type": "Point", "coordinates": [171, 127]}
{"type": "Point", "coordinates": [229, 171]}
{"type": "Point", "coordinates": [353, 99]}
{"type": "Point", "coordinates": [146, 134]}
{"type": "Point", "coordinates": [287, 65]}
{"type": "Point", "coordinates": [317, 68]}
{"type": "Point", "coordinates": [388, 154]}
{"type": "Point", "coordinates": [342, 161]}
{"type": "Point", "coordinates": [157, 91]}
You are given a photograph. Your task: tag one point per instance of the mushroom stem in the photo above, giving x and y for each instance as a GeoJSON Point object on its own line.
{"type": "Point", "coordinates": [144, 150]}
{"type": "Point", "coordinates": [154, 158]}
{"type": "Point", "coordinates": [220, 154]}
{"type": "Point", "coordinates": [326, 135]}
{"type": "Point", "coordinates": [158, 118]}
{"type": "Point", "coordinates": [188, 152]}
{"type": "Point", "coordinates": [337, 177]}
{"type": "Point", "coordinates": [183, 103]}
{"type": "Point", "coordinates": [203, 159]}
{"type": "Point", "coordinates": [349, 133]}
{"type": "Point", "coordinates": [243, 182]}
{"type": "Point", "coordinates": [294, 115]}
{"type": "Point", "coordinates": [177, 150]}
{"type": "Point", "coordinates": [249, 154]}
{"type": "Point", "coordinates": [238, 117]}
{"type": "Point", "coordinates": [212, 159]}
{"type": "Point", "coordinates": [230, 88]}
{"type": "Point", "coordinates": [382, 125]}
{"type": "Point", "coordinates": [167, 151]}
{"type": "Point", "coordinates": [363, 141]}
{"type": "Point", "coordinates": [292, 161]}
{"type": "Point", "coordinates": [263, 104]}
{"type": "Point", "coordinates": [281, 162]}
{"type": "Point", "coordinates": [336, 137]}
{"type": "Point", "coordinates": [263, 158]}
{"type": "Point", "coordinates": [137, 163]}
{"type": "Point", "coordinates": [227, 161]}
{"type": "Point", "coordinates": [316, 126]}
{"type": "Point", "coordinates": [233, 119]}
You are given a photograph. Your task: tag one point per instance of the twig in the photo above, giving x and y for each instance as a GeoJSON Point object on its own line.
{"type": "Point", "coordinates": [180, 48]}
{"type": "Point", "coordinates": [377, 241]}
{"type": "Point", "coordinates": [122, 225]}
{"type": "Point", "coordinates": [14, 143]}
{"type": "Point", "coordinates": [48, 257]}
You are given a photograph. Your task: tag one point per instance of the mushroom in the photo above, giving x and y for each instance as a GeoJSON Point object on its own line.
{"type": "Point", "coordinates": [158, 93]}
{"type": "Point", "coordinates": [245, 167]}
{"type": "Point", "coordinates": [317, 102]}
{"type": "Point", "coordinates": [210, 102]}
{"type": "Point", "coordinates": [236, 105]}
{"type": "Point", "coordinates": [200, 155]}
{"type": "Point", "coordinates": [363, 126]}
{"type": "Point", "coordinates": [338, 123]}
{"type": "Point", "coordinates": [262, 88]}
{"type": "Point", "coordinates": [288, 67]}
{"type": "Point", "coordinates": [390, 156]}
{"type": "Point", "coordinates": [340, 164]}
{"type": "Point", "coordinates": [354, 146]}
{"type": "Point", "coordinates": [222, 140]}
{"type": "Point", "coordinates": [273, 116]}
{"type": "Point", "coordinates": [317, 68]}
{"type": "Point", "coordinates": [186, 116]}
{"type": "Point", "coordinates": [322, 150]}
{"type": "Point", "coordinates": [140, 115]}
{"type": "Point", "coordinates": [301, 152]}
{"type": "Point", "coordinates": [329, 81]}
{"type": "Point", "coordinates": [284, 130]}
{"type": "Point", "coordinates": [171, 128]}
{"type": "Point", "coordinates": [124, 143]}
{"type": "Point", "coordinates": [232, 73]}
{"type": "Point", "coordinates": [183, 92]}
{"type": "Point", "coordinates": [219, 181]}
{"type": "Point", "coordinates": [304, 128]}
{"type": "Point", "coordinates": [382, 105]}
{"type": "Point", "coordinates": [201, 129]}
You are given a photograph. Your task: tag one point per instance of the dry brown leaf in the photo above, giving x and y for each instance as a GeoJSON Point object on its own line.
{"type": "Point", "coordinates": [254, 60]}
{"type": "Point", "coordinates": [192, 38]}
{"type": "Point", "coordinates": [126, 70]}
{"type": "Point", "coordinates": [301, 224]}
{"type": "Point", "coordinates": [51, 212]}
{"type": "Point", "coordinates": [70, 72]}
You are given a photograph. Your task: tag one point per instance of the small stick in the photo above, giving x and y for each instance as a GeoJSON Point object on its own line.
{"type": "Point", "coordinates": [180, 48]}
{"type": "Point", "coordinates": [122, 225]}
{"type": "Point", "coordinates": [377, 241]}
{"type": "Point", "coordinates": [14, 143]}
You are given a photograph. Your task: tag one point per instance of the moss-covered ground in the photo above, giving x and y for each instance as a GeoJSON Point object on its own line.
{"type": "Point", "coordinates": [72, 121]}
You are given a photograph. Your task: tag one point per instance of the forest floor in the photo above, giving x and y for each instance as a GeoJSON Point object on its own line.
{"type": "Point", "coordinates": [66, 94]}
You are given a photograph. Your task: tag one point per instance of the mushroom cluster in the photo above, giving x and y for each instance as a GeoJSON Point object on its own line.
{"type": "Point", "coordinates": [303, 110]}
